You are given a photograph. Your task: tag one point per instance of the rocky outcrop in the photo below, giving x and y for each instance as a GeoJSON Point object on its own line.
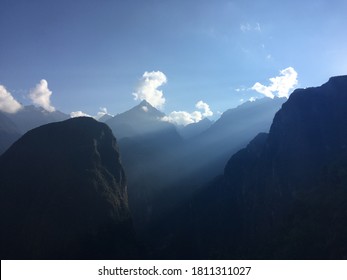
{"type": "Point", "coordinates": [63, 195]}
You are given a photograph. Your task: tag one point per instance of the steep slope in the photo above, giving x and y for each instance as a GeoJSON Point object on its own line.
{"type": "Point", "coordinates": [296, 198]}
{"type": "Point", "coordinates": [63, 195]}
{"type": "Point", "coordinates": [209, 151]}
{"type": "Point", "coordinates": [105, 118]}
{"type": "Point", "coordinates": [8, 133]}
{"type": "Point", "coordinates": [282, 197]}
{"type": "Point", "coordinates": [236, 127]}
{"type": "Point", "coordinates": [194, 129]}
{"type": "Point", "coordinates": [30, 117]}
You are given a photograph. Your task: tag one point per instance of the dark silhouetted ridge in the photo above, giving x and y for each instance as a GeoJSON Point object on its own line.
{"type": "Point", "coordinates": [63, 195]}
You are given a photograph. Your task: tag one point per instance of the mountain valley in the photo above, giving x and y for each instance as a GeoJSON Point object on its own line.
{"type": "Point", "coordinates": [267, 180]}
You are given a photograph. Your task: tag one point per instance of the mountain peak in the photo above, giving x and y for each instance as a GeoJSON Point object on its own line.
{"type": "Point", "coordinates": [145, 103]}
{"type": "Point", "coordinates": [141, 119]}
{"type": "Point", "coordinates": [147, 107]}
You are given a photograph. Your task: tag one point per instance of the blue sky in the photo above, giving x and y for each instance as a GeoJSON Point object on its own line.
{"type": "Point", "coordinates": [94, 53]}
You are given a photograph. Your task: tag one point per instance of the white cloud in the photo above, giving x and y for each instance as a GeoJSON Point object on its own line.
{"type": "Point", "coordinates": [205, 107]}
{"type": "Point", "coordinates": [280, 86]}
{"type": "Point", "coordinates": [101, 113]}
{"type": "Point", "coordinates": [78, 114]}
{"type": "Point", "coordinates": [41, 95]}
{"type": "Point", "coordinates": [252, 99]}
{"type": "Point", "coordinates": [148, 88]}
{"type": "Point", "coordinates": [103, 110]}
{"type": "Point", "coordinates": [267, 91]}
{"type": "Point", "coordinates": [185, 118]}
{"type": "Point", "coordinates": [145, 108]}
{"type": "Point", "coordinates": [7, 103]}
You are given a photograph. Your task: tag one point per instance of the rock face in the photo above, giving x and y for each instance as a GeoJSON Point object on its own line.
{"type": "Point", "coordinates": [282, 197]}
{"type": "Point", "coordinates": [294, 197]}
{"type": "Point", "coordinates": [63, 195]}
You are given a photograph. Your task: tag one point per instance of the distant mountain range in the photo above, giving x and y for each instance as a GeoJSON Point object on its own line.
{"type": "Point", "coordinates": [31, 116]}
{"type": "Point", "coordinates": [194, 129]}
{"type": "Point", "coordinates": [9, 133]}
{"type": "Point", "coordinates": [149, 144]}
{"type": "Point", "coordinates": [211, 149]}
{"type": "Point", "coordinates": [12, 126]}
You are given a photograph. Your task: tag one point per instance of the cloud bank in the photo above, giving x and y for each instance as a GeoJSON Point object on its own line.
{"type": "Point", "coordinates": [41, 95]}
{"type": "Point", "coordinates": [185, 118]}
{"type": "Point", "coordinates": [103, 111]}
{"type": "Point", "coordinates": [148, 88]}
{"type": "Point", "coordinates": [280, 86]}
{"type": "Point", "coordinates": [7, 103]}
{"type": "Point", "coordinates": [77, 114]}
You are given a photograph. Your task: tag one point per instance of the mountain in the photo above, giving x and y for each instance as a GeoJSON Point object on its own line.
{"type": "Point", "coordinates": [235, 128]}
{"type": "Point", "coordinates": [284, 196]}
{"type": "Point", "coordinates": [9, 133]}
{"type": "Point", "coordinates": [141, 120]}
{"type": "Point", "coordinates": [164, 169]}
{"type": "Point", "coordinates": [209, 151]}
{"type": "Point", "coordinates": [147, 146]}
{"type": "Point", "coordinates": [31, 116]}
{"type": "Point", "coordinates": [105, 118]}
{"type": "Point", "coordinates": [194, 129]}
{"type": "Point", "coordinates": [63, 195]}
{"type": "Point", "coordinates": [12, 126]}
